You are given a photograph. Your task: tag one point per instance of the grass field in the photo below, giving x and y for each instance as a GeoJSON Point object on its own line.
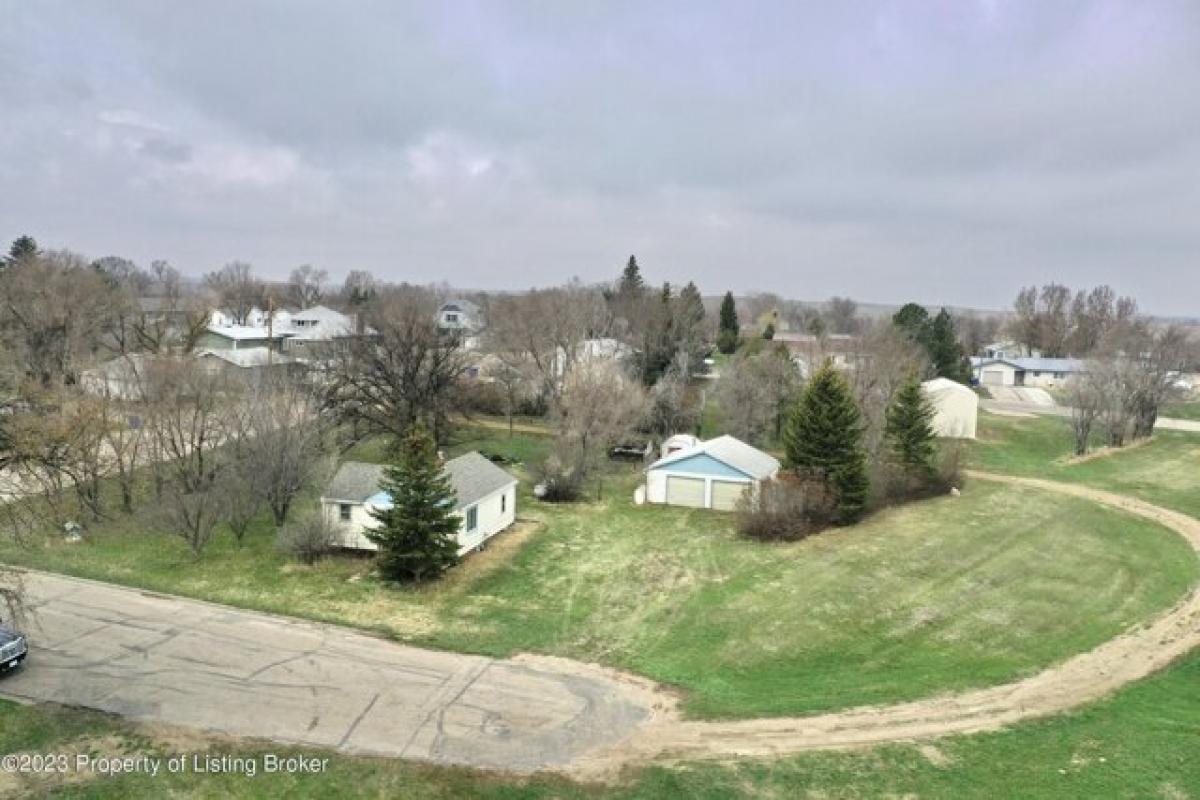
{"type": "Point", "coordinates": [1139, 743]}
{"type": "Point", "coordinates": [1183, 410]}
{"type": "Point", "coordinates": [947, 594]}
{"type": "Point", "coordinates": [1165, 471]}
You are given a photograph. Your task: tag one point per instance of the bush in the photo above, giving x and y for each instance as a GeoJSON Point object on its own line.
{"type": "Point", "coordinates": [727, 341]}
{"type": "Point", "coordinates": [786, 508]}
{"type": "Point", "coordinates": [482, 397]}
{"type": "Point", "coordinates": [308, 537]}
{"type": "Point", "coordinates": [898, 483]}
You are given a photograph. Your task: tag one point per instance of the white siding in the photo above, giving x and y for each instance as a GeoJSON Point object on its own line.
{"type": "Point", "coordinates": [495, 512]}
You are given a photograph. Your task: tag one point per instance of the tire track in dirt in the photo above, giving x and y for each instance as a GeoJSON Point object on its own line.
{"type": "Point", "coordinates": [1077, 681]}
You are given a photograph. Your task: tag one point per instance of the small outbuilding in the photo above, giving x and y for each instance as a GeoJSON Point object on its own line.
{"type": "Point", "coordinates": [955, 408]}
{"type": "Point", "coordinates": [712, 474]}
{"type": "Point", "coordinates": [678, 442]}
{"type": "Point", "coordinates": [485, 499]}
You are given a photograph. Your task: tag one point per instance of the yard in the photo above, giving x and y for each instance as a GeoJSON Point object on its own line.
{"type": "Point", "coordinates": [1164, 470]}
{"type": "Point", "coordinates": [944, 595]}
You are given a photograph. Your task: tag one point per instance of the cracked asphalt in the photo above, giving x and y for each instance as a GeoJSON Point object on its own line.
{"type": "Point", "coordinates": [183, 662]}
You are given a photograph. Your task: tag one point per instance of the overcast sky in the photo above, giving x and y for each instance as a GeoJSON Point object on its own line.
{"type": "Point", "coordinates": [942, 151]}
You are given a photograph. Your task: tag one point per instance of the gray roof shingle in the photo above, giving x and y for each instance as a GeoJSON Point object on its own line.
{"type": "Point", "coordinates": [472, 476]}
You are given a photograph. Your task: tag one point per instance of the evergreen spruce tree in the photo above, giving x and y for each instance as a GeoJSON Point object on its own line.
{"type": "Point", "coordinates": [23, 247]}
{"type": "Point", "coordinates": [913, 319]}
{"type": "Point", "coordinates": [909, 428]}
{"type": "Point", "coordinates": [823, 439]}
{"type": "Point", "coordinates": [631, 284]}
{"type": "Point", "coordinates": [769, 331]}
{"type": "Point", "coordinates": [727, 326]}
{"type": "Point", "coordinates": [945, 352]}
{"type": "Point", "coordinates": [417, 534]}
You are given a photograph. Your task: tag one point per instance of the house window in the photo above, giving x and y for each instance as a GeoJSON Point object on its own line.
{"type": "Point", "coordinates": [472, 518]}
{"type": "Point", "coordinates": [344, 512]}
{"type": "Point", "coordinates": [451, 317]}
{"type": "Point", "coordinates": [503, 503]}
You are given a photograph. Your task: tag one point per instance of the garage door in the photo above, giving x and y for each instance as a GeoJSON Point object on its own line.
{"type": "Point", "coordinates": [725, 494]}
{"type": "Point", "coordinates": [685, 491]}
{"type": "Point", "coordinates": [993, 377]}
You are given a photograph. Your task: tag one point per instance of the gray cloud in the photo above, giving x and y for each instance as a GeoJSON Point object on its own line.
{"type": "Point", "coordinates": [948, 151]}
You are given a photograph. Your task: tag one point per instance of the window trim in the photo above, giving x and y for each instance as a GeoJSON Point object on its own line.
{"type": "Point", "coordinates": [472, 519]}
{"type": "Point", "coordinates": [345, 511]}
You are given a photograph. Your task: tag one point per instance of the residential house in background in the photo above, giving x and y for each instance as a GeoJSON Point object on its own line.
{"type": "Point", "coordinates": [1028, 371]}
{"type": "Point", "coordinates": [809, 351]}
{"type": "Point", "coordinates": [120, 378]}
{"type": "Point", "coordinates": [712, 474]}
{"type": "Point", "coordinates": [251, 362]}
{"type": "Point", "coordinates": [485, 499]}
{"type": "Point", "coordinates": [464, 317]}
{"type": "Point", "coordinates": [304, 334]}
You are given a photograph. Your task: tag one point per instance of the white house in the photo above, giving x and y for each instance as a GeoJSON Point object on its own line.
{"type": "Point", "coordinates": [1043, 372]}
{"type": "Point", "coordinates": [485, 498]}
{"type": "Point", "coordinates": [955, 408]}
{"type": "Point", "coordinates": [460, 315]}
{"type": "Point", "coordinates": [712, 474]}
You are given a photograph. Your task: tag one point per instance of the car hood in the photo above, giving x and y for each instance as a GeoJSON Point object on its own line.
{"type": "Point", "coordinates": [7, 636]}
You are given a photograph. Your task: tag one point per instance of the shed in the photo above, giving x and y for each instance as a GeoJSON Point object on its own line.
{"type": "Point", "coordinates": [712, 474]}
{"type": "Point", "coordinates": [485, 498]}
{"type": "Point", "coordinates": [678, 442]}
{"type": "Point", "coordinates": [955, 408]}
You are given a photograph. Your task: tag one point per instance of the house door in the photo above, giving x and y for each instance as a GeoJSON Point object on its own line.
{"type": "Point", "coordinates": [685, 491]}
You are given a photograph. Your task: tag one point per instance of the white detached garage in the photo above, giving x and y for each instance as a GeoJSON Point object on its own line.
{"type": "Point", "coordinates": [712, 474]}
{"type": "Point", "coordinates": [955, 408]}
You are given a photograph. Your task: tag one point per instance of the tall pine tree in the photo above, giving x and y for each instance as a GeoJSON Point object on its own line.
{"type": "Point", "coordinates": [945, 352]}
{"type": "Point", "coordinates": [823, 439]}
{"type": "Point", "coordinates": [909, 428]}
{"type": "Point", "coordinates": [417, 534]}
{"type": "Point", "coordinates": [727, 325]}
{"type": "Point", "coordinates": [631, 284]}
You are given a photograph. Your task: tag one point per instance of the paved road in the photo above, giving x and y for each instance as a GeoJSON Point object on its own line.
{"type": "Point", "coordinates": [188, 663]}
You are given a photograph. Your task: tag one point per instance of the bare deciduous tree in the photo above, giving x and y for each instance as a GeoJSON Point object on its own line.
{"type": "Point", "coordinates": [600, 404]}
{"type": "Point", "coordinates": [306, 285]}
{"type": "Point", "coordinates": [190, 415]}
{"type": "Point", "coordinates": [53, 308]}
{"type": "Point", "coordinates": [753, 393]}
{"type": "Point", "coordinates": [288, 442]}
{"type": "Point", "coordinates": [408, 371]}
{"type": "Point", "coordinates": [886, 358]}
{"type": "Point", "coordinates": [238, 291]}
{"type": "Point", "coordinates": [549, 328]}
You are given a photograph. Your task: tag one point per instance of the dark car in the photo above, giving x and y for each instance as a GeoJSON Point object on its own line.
{"type": "Point", "coordinates": [12, 649]}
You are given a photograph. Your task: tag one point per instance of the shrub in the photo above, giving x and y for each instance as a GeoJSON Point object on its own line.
{"type": "Point", "coordinates": [483, 397]}
{"type": "Point", "coordinates": [786, 508]}
{"type": "Point", "coordinates": [307, 537]}
{"type": "Point", "coordinates": [899, 483]}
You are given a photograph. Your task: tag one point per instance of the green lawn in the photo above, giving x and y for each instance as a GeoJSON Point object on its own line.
{"type": "Point", "coordinates": [1165, 471]}
{"type": "Point", "coordinates": [942, 595]}
{"type": "Point", "coordinates": [1183, 410]}
{"type": "Point", "coordinates": [1139, 743]}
